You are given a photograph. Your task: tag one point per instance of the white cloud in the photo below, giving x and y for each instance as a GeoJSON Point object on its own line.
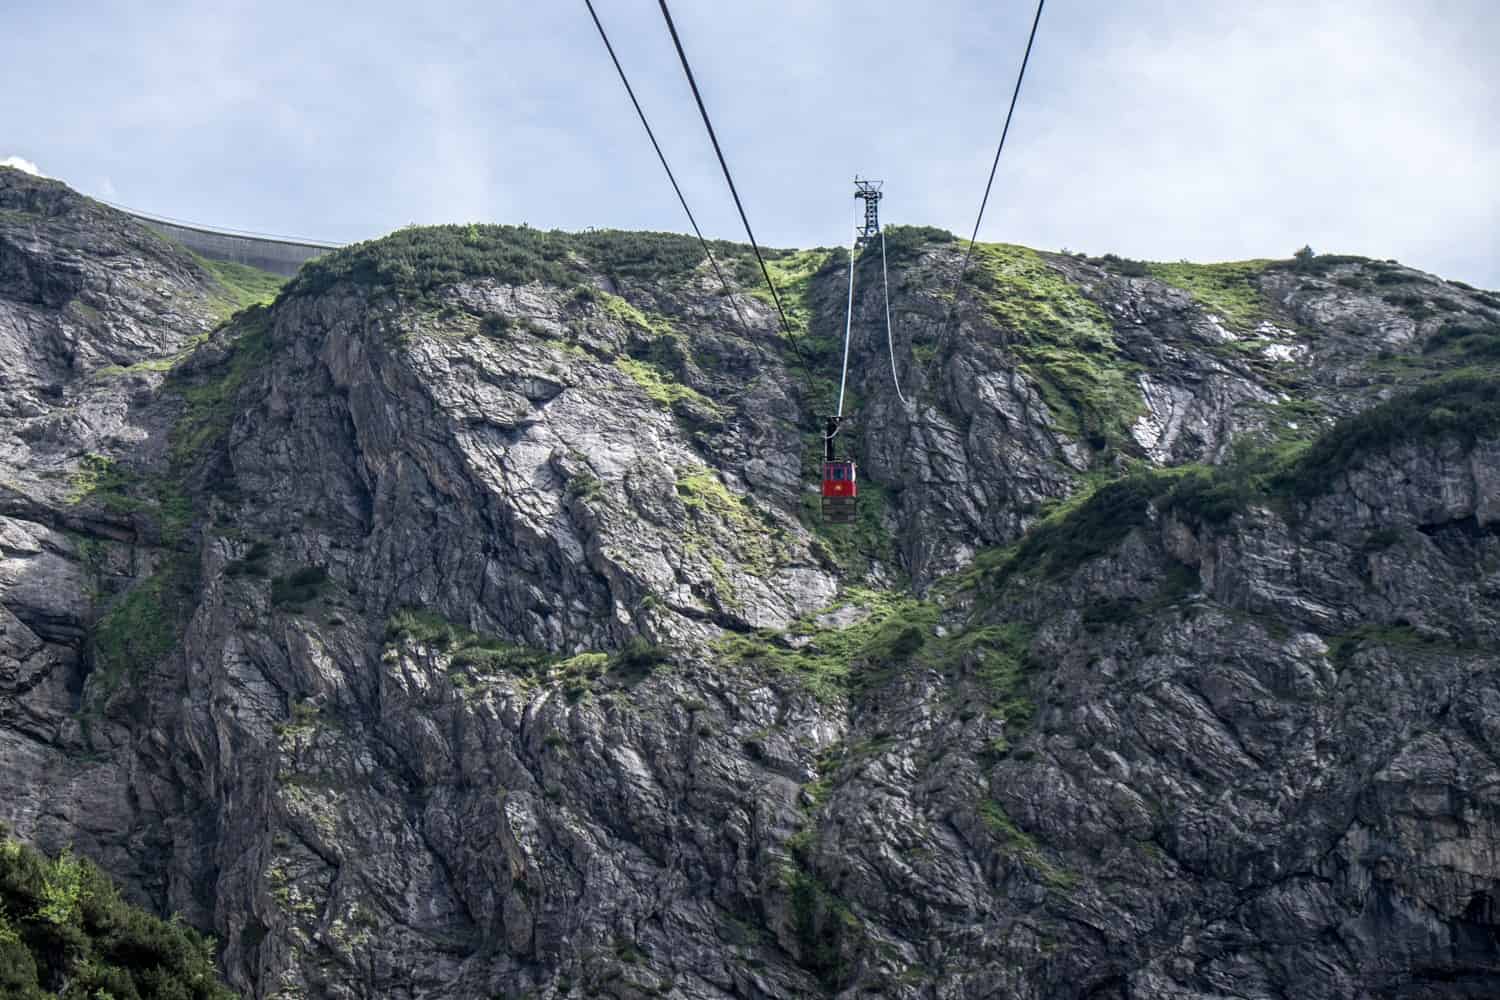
{"type": "Point", "coordinates": [25, 166]}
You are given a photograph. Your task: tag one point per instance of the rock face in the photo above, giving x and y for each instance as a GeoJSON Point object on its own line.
{"type": "Point", "coordinates": [459, 625]}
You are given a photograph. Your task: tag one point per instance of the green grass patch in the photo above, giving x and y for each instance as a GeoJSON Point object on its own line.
{"type": "Point", "coordinates": [1064, 342]}
{"type": "Point", "coordinates": [136, 633]}
{"type": "Point", "coordinates": [1020, 844]}
{"type": "Point", "coordinates": [793, 272]}
{"type": "Point", "coordinates": [701, 489]}
{"type": "Point", "coordinates": [243, 286]}
{"type": "Point", "coordinates": [152, 365]}
{"type": "Point", "coordinates": [997, 658]}
{"type": "Point", "coordinates": [473, 656]}
{"type": "Point", "coordinates": [1395, 637]}
{"type": "Point", "coordinates": [826, 658]}
{"type": "Point", "coordinates": [107, 484]}
{"type": "Point", "coordinates": [65, 930]}
{"type": "Point", "coordinates": [662, 389]}
{"type": "Point", "coordinates": [1230, 289]}
{"type": "Point", "coordinates": [631, 317]}
{"type": "Point", "coordinates": [209, 399]}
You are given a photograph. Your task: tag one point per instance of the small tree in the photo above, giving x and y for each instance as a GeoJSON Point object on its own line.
{"type": "Point", "coordinates": [1304, 258]}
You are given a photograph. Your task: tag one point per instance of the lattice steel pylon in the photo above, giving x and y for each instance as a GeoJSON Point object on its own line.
{"type": "Point", "coordinates": [870, 192]}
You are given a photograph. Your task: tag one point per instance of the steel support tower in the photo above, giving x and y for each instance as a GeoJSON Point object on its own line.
{"type": "Point", "coordinates": [870, 192]}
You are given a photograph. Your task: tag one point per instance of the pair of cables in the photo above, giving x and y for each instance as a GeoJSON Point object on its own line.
{"type": "Point", "coordinates": [744, 218]}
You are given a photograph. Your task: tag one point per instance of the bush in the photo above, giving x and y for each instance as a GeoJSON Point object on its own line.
{"type": "Point", "coordinates": [418, 261]}
{"type": "Point", "coordinates": [62, 922]}
{"type": "Point", "coordinates": [647, 256]}
{"type": "Point", "coordinates": [1463, 406]}
{"type": "Point", "coordinates": [495, 325]}
{"type": "Point", "coordinates": [1123, 265]}
{"type": "Point", "coordinates": [298, 588]}
{"type": "Point", "coordinates": [639, 656]}
{"type": "Point", "coordinates": [1473, 340]}
{"type": "Point", "coordinates": [253, 563]}
{"type": "Point", "coordinates": [905, 244]}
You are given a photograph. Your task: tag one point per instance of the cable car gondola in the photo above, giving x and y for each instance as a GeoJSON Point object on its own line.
{"type": "Point", "coordinates": [840, 481]}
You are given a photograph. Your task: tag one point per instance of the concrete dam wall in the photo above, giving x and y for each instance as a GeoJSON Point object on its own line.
{"type": "Point", "coordinates": [278, 255]}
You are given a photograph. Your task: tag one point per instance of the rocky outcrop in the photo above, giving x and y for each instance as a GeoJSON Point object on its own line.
{"type": "Point", "coordinates": [459, 626]}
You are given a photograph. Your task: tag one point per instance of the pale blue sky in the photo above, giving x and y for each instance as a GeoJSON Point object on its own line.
{"type": "Point", "coordinates": [1162, 129]}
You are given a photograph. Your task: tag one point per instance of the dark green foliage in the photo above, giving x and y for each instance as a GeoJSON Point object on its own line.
{"type": "Point", "coordinates": [1059, 543]}
{"type": "Point", "coordinates": [63, 922]}
{"type": "Point", "coordinates": [1475, 341]}
{"type": "Point", "coordinates": [1214, 494]}
{"type": "Point", "coordinates": [904, 244]}
{"type": "Point", "coordinates": [209, 396]}
{"type": "Point", "coordinates": [998, 658]}
{"type": "Point", "coordinates": [495, 325]}
{"type": "Point", "coordinates": [639, 657]}
{"type": "Point", "coordinates": [1463, 406]}
{"type": "Point", "coordinates": [1307, 262]}
{"type": "Point", "coordinates": [1412, 304]}
{"type": "Point", "coordinates": [473, 653]}
{"type": "Point", "coordinates": [1399, 635]}
{"type": "Point", "coordinates": [136, 632]}
{"type": "Point", "coordinates": [252, 564]}
{"type": "Point", "coordinates": [647, 257]}
{"type": "Point", "coordinates": [1122, 265]}
{"type": "Point", "coordinates": [819, 918]}
{"type": "Point", "coordinates": [418, 261]}
{"type": "Point", "coordinates": [298, 587]}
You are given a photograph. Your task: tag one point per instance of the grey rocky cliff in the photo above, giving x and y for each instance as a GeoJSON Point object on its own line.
{"type": "Point", "coordinates": [475, 639]}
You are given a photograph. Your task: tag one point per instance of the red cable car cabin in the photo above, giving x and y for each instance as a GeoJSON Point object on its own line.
{"type": "Point", "coordinates": [840, 490]}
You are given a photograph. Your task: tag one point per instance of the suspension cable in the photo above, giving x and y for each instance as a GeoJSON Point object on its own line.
{"type": "Point", "coordinates": [848, 324]}
{"type": "Point", "coordinates": [974, 236]}
{"type": "Point", "coordinates": [713, 137]}
{"type": "Point", "coordinates": [890, 343]}
{"type": "Point", "coordinates": [729, 293]}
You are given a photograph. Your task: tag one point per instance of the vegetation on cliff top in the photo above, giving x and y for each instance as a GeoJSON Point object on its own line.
{"type": "Point", "coordinates": [66, 933]}
{"type": "Point", "coordinates": [419, 260]}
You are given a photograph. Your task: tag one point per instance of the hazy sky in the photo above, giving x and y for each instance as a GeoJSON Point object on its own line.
{"type": "Point", "coordinates": [1162, 129]}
